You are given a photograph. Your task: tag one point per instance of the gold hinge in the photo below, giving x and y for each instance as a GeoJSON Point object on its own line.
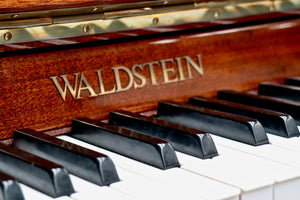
{"type": "Point", "coordinates": [147, 17]}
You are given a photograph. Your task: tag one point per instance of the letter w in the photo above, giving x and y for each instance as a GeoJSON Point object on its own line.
{"type": "Point", "coordinates": [72, 90]}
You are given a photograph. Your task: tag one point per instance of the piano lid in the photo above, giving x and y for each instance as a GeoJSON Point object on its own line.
{"type": "Point", "coordinates": [32, 21]}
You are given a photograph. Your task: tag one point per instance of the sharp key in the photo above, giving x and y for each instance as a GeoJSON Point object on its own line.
{"type": "Point", "coordinates": [243, 129]}
{"type": "Point", "coordinates": [281, 105]}
{"type": "Point", "coordinates": [87, 164]}
{"type": "Point", "coordinates": [36, 172]}
{"type": "Point", "coordinates": [293, 81]}
{"type": "Point", "coordinates": [273, 122]}
{"type": "Point", "coordinates": [183, 139]}
{"type": "Point", "coordinates": [9, 188]}
{"type": "Point", "coordinates": [279, 91]}
{"type": "Point", "coordinates": [144, 148]}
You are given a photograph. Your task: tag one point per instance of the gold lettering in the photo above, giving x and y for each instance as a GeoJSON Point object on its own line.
{"type": "Point", "coordinates": [173, 70]}
{"type": "Point", "coordinates": [151, 70]}
{"type": "Point", "coordinates": [88, 87]}
{"type": "Point", "coordinates": [101, 85]}
{"type": "Point", "coordinates": [118, 79]}
{"type": "Point", "coordinates": [68, 86]}
{"type": "Point", "coordinates": [190, 62]}
{"type": "Point", "coordinates": [139, 76]}
{"type": "Point", "coordinates": [166, 71]}
{"type": "Point", "coordinates": [180, 70]}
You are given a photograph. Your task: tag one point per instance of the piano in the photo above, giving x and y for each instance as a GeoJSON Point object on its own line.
{"type": "Point", "coordinates": [131, 99]}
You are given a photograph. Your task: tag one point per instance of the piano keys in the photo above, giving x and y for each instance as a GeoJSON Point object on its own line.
{"type": "Point", "coordinates": [273, 122]}
{"type": "Point", "coordinates": [267, 171]}
{"type": "Point", "coordinates": [135, 145]}
{"type": "Point", "coordinates": [10, 188]}
{"type": "Point", "coordinates": [242, 129]}
{"type": "Point", "coordinates": [184, 139]}
{"type": "Point", "coordinates": [257, 185]}
{"type": "Point", "coordinates": [279, 90]}
{"type": "Point", "coordinates": [280, 105]}
{"type": "Point", "coordinates": [92, 166]}
{"type": "Point", "coordinates": [40, 174]}
{"type": "Point", "coordinates": [292, 81]}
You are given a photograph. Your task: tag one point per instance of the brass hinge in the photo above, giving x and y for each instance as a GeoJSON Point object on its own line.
{"type": "Point", "coordinates": [65, 23]}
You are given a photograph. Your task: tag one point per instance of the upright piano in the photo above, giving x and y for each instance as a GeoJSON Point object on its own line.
{"type": "Point", "coordinates": [131, 99]}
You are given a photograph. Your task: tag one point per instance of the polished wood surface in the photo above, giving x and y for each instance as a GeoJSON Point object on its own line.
{"type": "Point", "coordinates": [215, 24]}
{"type": "Point", "coordinates": [233, 58]}
{"type": "Point", "coordinates": [10, 6]}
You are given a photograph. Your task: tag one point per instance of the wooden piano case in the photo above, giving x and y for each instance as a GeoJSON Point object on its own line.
{"type": "Point", "coordinates": [45, 83]}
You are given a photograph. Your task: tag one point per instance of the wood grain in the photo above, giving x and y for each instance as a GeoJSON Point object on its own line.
{"type": "Point", "coordinates": [237, 58]}
{"type": "Point", "coordinates": [10, 6]}
{"type": "Point", "coordinates": [201, 26]}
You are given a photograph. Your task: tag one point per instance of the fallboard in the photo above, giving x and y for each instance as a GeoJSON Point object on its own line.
{"type": "Point", "coordinates": [46, 88]}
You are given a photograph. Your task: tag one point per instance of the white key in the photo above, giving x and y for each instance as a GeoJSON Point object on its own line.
{"type": "Point", "coordinates": [87, 190]}
{"type": "Point", "coordinates": [32, 194]}
{"type": "Point", "coordinates": [285, 171]}
{"type": "Point", "coordinates": [267, 151]}
{"type": "Point", "coordinates": [287, 143]}
{"type": "Point", "coordinates": [140, 187]}
{"type": "Point", "coordinates": [172, 183]}
{"type": "Point", "coordinates": [233, 168]}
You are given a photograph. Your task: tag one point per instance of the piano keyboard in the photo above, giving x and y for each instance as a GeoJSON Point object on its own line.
{"type": "Point", "coordinates": [233, 160]}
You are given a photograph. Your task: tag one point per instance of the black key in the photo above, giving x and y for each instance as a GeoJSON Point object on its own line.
{"type": "Point", "coordinates": [9, 188]}
{"type": "Point", "coordinates": [293, 81]}
{"type": "Point", "coordinates": [279, 91]}
{"type": "Point", "coordinates": [144, 148]}
{"type": "Point", "coordinates": [34, 171]}
{"type": "Point", "coordinates": [80, 161]}
{"type": "Point", "coordinates": [273, 122]}
{"type": "Point", "coordinates": [281, 105]}
{"type": "Point", "coordinates": [183, 139]}
{"type": "Point", "coordinates": [239, 128]}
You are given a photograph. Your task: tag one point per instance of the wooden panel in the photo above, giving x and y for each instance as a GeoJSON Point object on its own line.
{"type": "Point", "coordinates": [218, 24]}
{"type": "Point", "coordinates": [9, 6]}
{"type": "Point", "coordinates": [237, 58]}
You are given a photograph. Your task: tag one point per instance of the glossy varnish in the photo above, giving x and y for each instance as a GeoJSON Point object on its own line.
{"type": "Point", "coordinates": [232, 58]}
{"type": "Point", "coordinates": [35, 5]}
